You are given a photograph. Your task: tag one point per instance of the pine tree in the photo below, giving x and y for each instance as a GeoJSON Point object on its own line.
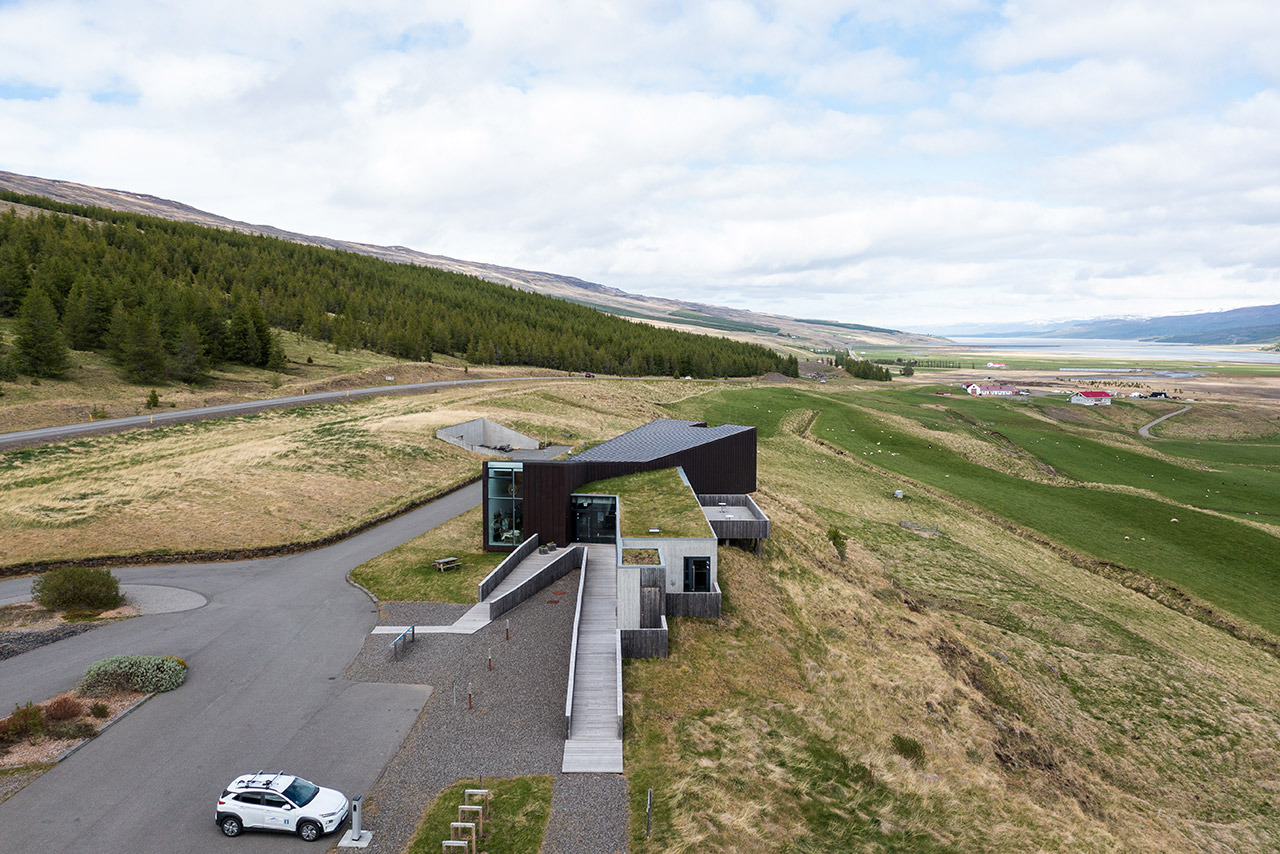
{"type": "Point", "coordinates": [118, 332]}
{"type": "Point", "coordinates": [144, 359]}
{"type": "Point", "coordinates": [276, 360]}
{"type": "Point", "coordinates": [41, 349]}
{"type": "Point", "coordinates": [15, 276]}
{"type": "Point", "coordinates": [189, 363]}
{"type": "Point", "coordinates": [243, 344]}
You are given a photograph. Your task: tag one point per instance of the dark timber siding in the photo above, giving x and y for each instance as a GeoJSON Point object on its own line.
{"type": "Point", "coordinates": [723, 465]}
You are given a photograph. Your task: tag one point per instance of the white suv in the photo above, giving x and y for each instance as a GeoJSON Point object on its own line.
{"type": "Point", "coordinates": [280, 802]}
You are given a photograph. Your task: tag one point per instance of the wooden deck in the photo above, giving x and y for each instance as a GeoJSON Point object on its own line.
{"type": "Point", "coordinates": [478, 617]}
{"type": "Point", "coordinates": [595, 744]}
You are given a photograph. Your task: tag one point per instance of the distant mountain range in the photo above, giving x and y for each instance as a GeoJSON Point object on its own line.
{"type": "Point", "coordinates": [742, 324]}
{"type": "Point", "coordinates": [1258, 324]}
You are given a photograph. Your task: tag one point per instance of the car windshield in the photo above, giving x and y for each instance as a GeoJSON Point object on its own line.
{"type": "Point", "coordinates": [300, 791]}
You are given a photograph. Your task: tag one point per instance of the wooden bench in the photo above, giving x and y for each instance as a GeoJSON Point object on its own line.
{"type": "Point", "coordinates": [447, 563]}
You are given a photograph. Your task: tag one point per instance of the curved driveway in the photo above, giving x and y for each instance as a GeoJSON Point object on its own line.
{"type": "Point", "coordinates": [1145, 430]}
{"type": "Point", "coordinates": [265, 690]}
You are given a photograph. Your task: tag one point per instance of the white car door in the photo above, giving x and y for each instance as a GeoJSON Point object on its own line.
{"type": "Point", "coordinates": [248, 805]}
{"type": "Point", "coordinates": [277, 813]}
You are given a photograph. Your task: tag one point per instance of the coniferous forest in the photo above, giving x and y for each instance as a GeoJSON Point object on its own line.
{"type": "Point", "coordinates": [171, 300]}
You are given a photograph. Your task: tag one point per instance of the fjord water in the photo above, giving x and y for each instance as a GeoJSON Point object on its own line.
{"type": "Point", "coordinates": [1101, 348]}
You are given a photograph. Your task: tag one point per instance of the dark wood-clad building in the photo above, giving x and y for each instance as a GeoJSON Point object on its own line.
{"type": "Point", "coordinates": [524, 498]}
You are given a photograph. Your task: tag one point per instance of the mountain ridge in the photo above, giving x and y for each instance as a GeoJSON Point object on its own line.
{"type": "Point", "coordinates": [1258, 324]}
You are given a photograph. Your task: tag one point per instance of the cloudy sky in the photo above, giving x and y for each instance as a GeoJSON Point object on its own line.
{"type": "Point", "coordinates": [912, 163]}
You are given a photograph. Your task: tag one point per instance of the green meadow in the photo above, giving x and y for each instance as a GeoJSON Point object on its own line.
{"type": "Point", "coordinates": [1224, 561]}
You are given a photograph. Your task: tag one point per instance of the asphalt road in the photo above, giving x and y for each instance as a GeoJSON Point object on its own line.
{"type": "Point", "coordinates": [265, 690]}
{"type": "Point", "coordinates": [45, 435]}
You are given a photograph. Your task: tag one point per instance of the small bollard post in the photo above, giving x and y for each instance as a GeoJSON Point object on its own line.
{"type": "Point", "coordinates": [468, 696]}
{"type": "Point", "coordinates": [490, 661]}
{"type": "Point", "coordinates": [648, 815]}
{"type": "Point", "coordinates": [455, 692]}
{"type": "Point", "coordinates": [508, 628]}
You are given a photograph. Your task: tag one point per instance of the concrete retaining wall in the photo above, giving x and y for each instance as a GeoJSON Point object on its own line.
{"type": "Point", "coordinates": [482, 436]}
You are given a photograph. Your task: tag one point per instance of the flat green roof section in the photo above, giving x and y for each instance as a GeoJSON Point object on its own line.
{"type": "Point", "coordinates": [654, 499]}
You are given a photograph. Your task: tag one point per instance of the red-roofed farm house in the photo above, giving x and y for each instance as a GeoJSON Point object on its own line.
{"type": "Point", "coordinates": [1092, 398]}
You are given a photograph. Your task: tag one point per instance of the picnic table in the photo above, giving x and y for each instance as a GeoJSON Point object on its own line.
{"type": "Point", "coordinates": [447, 563]}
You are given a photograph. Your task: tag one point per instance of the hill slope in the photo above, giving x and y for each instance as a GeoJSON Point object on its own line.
{"type": "Point", "coordinates": [737, 323]}
{"type": "Point", "coordinates": [1252, 325]}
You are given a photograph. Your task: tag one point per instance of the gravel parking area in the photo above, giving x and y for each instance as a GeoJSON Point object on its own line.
{"type": "Point", "coordinates": [515, 725]}
{"type": "Point", "coordinates": [420, 613]}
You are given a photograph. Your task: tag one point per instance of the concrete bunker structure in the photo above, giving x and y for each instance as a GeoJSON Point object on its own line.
{"type": "Point", "coordinates": [482, 436]}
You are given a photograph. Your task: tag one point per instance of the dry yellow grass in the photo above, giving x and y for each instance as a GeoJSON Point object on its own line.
{"type": "Point", "coordinates": [280, 477]}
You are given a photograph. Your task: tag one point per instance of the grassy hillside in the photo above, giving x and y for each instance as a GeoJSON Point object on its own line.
{"type": "Point", "coordinates": [947, 685]}
{"type": "Point", "coordinates": [167, 299]}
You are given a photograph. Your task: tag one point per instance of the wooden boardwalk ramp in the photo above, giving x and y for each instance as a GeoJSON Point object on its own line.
{"type": "Point", "coordinates": [478, 617]}
{"type": "Point", "coordinates": [594, 716]}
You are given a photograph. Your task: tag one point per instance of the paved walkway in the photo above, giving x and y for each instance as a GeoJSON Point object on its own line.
{"type": "Point", "coordinates": [595, 743]}
{"type": "Point", "coordinates": [1145, 430]}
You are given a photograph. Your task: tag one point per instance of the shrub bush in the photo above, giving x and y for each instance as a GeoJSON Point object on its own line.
{"type": "Point", "coordinates": [908, 748]}
{"type": "Point", "coordinates": [71, 730]}
{"type": "Point", "coordinates": [25, 721]}
{"type": "Point", "coordinates": [144, 673]}
{"type": "Point", "coordinates": [77, 587]}
{"type": "Point", "coordinates": [63, 708]}
{"type": "Point", "coordinates": [99, 710]}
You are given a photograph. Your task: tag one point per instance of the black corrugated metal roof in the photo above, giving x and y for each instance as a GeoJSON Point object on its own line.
{"type": "Point", "coordinates": [657, 439]}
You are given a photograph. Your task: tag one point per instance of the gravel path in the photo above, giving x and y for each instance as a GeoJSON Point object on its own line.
{"type": "Point", "coordinates": [515, 725]}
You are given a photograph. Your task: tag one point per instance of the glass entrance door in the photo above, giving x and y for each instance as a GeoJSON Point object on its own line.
{"type": "Point", "coordinates": [595, 518]}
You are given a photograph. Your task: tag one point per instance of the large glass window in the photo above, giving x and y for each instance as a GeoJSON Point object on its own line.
{"type": "Point", "coordinates": [504, 514]}
{"type": "Point", "coordinates": [697, 575]}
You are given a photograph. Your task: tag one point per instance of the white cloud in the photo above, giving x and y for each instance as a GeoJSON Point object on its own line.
{"type": "Point", "coordinates": [1088, 95]}
{"type": "Point", "coordinates": [889, 163]}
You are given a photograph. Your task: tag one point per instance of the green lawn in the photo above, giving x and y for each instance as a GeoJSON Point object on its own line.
{"type": "Point", "coordinates": [655, 499]}
{"type": "Point", "coordinates": [520, 809]}
{"type": "Point", "coordinates": [408, 573]}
